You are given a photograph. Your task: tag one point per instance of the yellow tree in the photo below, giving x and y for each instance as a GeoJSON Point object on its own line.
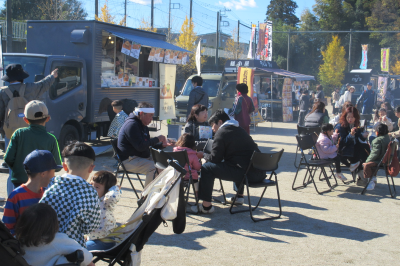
{"type": "Point", "coordinates": [331, 72]}
{"type": "Point", "coordinates": [146, 25]}
{"type": "Point", "coordinates": [396, 68]}
{"type": "Point", "coordinates": [106, 16]}
{"type": "Point", "coordinates": [188, 40]}
{"type": "Point", "coordinates": [233, 46]}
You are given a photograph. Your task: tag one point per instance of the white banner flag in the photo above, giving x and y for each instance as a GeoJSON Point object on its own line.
{"type": "Point", "coordinates": [268, 41]}
{"type": "Point", "coordinates": [198, 58]}
{"type": "Point", "coordinates": [253, 31]}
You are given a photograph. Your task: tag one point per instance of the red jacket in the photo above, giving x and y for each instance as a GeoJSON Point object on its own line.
{"type": "Point", "coordinates": [195, 165]}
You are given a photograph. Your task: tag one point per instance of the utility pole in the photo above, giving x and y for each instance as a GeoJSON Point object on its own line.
{"type": "Point", "coordinates": [217, 41]}
{"type": "Point", "coordinates": [125, 14]}
{"type": "Point", "coordinates": [9, 27]}
{"type": "Point", "coordinates": [169, 20]}
{"type": "Point", "coordinates": [288, 51]}
{"type": "Point", "coordinates": [96, 7]}
{"type": "Point", "coordinates": [191, 6]}
{"type": "Point", "coordinates": [152, 14]}
{"type": "Point", "coordinates": [349, 64]}
{"type": "Point", "coordinates": [238, 44]}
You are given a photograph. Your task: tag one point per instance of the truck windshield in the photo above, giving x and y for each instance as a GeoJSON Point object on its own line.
{"type": "Point", "coordinates": [210, 85]}
{"type": "Point", "coordinates": [359, 88]}
{"type": "Point", "coordinates": [32, 65]}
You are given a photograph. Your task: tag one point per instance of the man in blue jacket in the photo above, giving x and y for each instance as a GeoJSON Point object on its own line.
{"type": "Point", "coordinates": [367, 98]}
{"type": "Point", "coordinates": [134, 142]}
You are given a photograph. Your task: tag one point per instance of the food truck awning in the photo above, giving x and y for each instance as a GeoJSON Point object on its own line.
{"type": "Point", "coordinates": [148, 41]}
{"type": "Point", "coordinates": [281, 72]}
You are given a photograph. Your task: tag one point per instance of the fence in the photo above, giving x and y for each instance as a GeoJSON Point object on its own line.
{"type": "Point", "coordinates": [19, 29]}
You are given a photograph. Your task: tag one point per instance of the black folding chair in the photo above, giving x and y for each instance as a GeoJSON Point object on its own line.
{"type": "Point", "coordinates": [208, 149]}
{"type": "Point", "coordinates": [266, 162]}
{"type": "Point", "coordinates": [301, 131]}
{"type": "Point", "coordinates": [183, 159]}
{"type": "Point", "coordinates": [312, 165]}
{"type": "Point", "coordinates": [114, 143]}
{"type": "Point", "coordinates": [383, 164]}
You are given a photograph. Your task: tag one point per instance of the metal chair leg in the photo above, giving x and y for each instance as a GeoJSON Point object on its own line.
{"type": "Point", "coordinates": [140, 180]}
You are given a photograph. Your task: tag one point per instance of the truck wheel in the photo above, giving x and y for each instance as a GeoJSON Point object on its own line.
{"type": "Point", "coordinates": [68, 133]}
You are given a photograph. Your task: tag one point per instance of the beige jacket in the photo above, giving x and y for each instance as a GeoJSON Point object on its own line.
{"type": "Point", "coordinates": [396, 134]}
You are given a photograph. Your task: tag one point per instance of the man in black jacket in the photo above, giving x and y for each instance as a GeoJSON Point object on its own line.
{"type": "Point", "coordinates": [198, 95]}
{"type": "Point", "coordinates": [229, 159]}
{"type": "Point", "coordinates": [134, 142]}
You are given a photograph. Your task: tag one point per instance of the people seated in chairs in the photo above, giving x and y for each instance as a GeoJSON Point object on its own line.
{"type": "Point", "coordinates": [396, 134]}
{"type": "Point", "coordinates": [317, 116]}
{"type": "Point", "coordinates": [335, 120]}
{"type": "Point", "coordinates": [328, 149]}
{"type": "Point", "coordinates": [75, 201]}
{"type": "Point", "coordinates": [389, 111]}
{"type": "Point", "coordinates": [381, 118]}
{"type": "Point", "coordinates": [186, 142]}
{"type": "Point", "coordinates": [378, 149]}
{"type": "Point", "coordinates": [37, 231]}
{"type": "Point", "coordinates": [352, 140]}
{"type": "Point", "coordinates": [229, 159]}
{"type": "Point", "coordinates": [109, 193]}
{"type": "Point", "coordinates": [134, 142]}
{"type": "Point", "coordinates": [197, 118]}
{"type": "Point", "coordinates": [118, 120]}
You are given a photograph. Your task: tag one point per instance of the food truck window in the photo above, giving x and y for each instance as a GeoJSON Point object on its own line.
{"type": "Point", "coordinates": [108, 58]}
{"type": "Point", "coordinates": [145, 66]}
{"type": "Point", "coordinates": [69, 77]}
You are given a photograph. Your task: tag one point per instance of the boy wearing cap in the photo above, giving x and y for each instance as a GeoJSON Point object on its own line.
{"type": "Point", "coordinates": [118, 120]}
{"type": "Point", "coordinates": [27, 139]}
{"type": "Point", "coordinates": [40, 167]}
{"type": "Point", "coordinates": [75, 201]}
{"type": "Point", "coordinates": [367, 98]}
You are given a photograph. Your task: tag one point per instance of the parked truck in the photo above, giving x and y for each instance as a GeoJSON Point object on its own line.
{"type": "Point", "coordinates": [98, 63]}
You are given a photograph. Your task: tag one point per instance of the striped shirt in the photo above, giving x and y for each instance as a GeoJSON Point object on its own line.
{"type": "Point", "coordinates": [20, 199]}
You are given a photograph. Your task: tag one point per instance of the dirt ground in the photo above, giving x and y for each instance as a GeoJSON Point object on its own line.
{"type": "Point", "coordinates": [339, 227]}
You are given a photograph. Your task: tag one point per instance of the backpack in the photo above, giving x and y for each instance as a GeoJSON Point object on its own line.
{"type": "Point", "coordinates": [394, 167]}
{"type": "Point", "coordinates": [13, 117]}
{"type": "Point", "coordinates": [10, 249]}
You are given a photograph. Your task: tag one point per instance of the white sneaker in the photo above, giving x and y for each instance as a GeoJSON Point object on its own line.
{"type": "Point", "coordinates": [239, 201]}
{"type": "Point", "coordinates": [201, 209]}
{"type": "Point", "coordinates": [371, 185]}
{"type": "Point", "coordinates": [354, 166]}
{"type": "Point", "coordinates": [341, 176]}
{"type": "Point", "coordinates": [374, 180]}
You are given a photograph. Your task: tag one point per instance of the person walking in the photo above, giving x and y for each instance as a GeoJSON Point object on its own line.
{"type": "Point", "coordinates": [243, 107]}
{"type": "Point", "coordinates": [367, 99]}
{"type": "Point", "coordinates": [198, 95]}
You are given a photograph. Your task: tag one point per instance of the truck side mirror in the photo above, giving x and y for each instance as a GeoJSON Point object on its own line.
{"type": "Point", "coordinates": [39, 77]}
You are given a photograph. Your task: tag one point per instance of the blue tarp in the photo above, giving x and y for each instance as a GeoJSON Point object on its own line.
{"type": "Point", "coordinates": [148, 41]}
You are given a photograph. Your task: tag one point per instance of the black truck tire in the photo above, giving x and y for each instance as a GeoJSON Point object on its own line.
{"type": "Point", "coordinates": [68, 133]}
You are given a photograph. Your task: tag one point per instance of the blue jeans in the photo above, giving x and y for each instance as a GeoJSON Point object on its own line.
{"type": "Point", "coordinates": [10, 185]}
{"type": "Point", "coordinates": [366, 110]}
{"type": "Point", "coordinates": [98, 245]}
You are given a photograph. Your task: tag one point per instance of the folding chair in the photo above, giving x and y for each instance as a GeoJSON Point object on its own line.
{"type": "Point", "coordinates": [383, 164]}
{"type": "Point", "coordinates": [114, 143]}
{"type": "Point", "coordinates": [266, 162]}
{"type": "Point", "coordinates": [183, 159]}
{"type": "Point", "coordinates": [208, 149]}
{"type": "Point", "coordinates": [367, 119]}
{"type": "Point", "coordinates": [306, 131]}
{"type": "Point", "coordinates": [306, 142]}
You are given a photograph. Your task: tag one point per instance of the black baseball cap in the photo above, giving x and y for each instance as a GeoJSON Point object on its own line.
{"type": "Point", "coordinates": [40, 161]}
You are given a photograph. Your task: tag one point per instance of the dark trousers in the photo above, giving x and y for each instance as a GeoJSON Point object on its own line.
{"type": "Point", "coordinates": [210, 171]}
{"type": "Point", "coordinates": [302, 116]}
{"type": "Point", "coordinates": [337, 160]}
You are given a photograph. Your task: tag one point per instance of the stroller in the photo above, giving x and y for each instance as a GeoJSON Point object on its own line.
{"type": "Point", "coordinates": [163, 199]}
{"type": "Point", "coordinates": [11, 252]}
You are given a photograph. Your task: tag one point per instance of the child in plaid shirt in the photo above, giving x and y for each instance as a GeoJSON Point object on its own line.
{"type": "Point", "coordinates": [75, 201]}
{"type": "Point", "coordinates": [118, 120]}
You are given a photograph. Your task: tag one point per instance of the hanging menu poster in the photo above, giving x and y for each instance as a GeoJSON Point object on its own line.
{"type": "Point", "coordinates": [156, 55]}
{"type": "Point", "coordinates": [185, 58]}
{"type": "Point", "coordinates": [135, 50]}
{"type": "Point", "coordinates": [167, 85]}
{"type": "Point", "coordinates": [287, 108]}
{"type": "Point", "coordinates": [126, 47]}
{"type": "Point", "coordinates": [167, 56]}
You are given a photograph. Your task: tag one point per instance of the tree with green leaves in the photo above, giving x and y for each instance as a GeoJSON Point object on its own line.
{"type": "Point", "coordinates": [331, 72]}
{"type": "Point", "coordinates": [284, 11]}
{"type": "Point", "coordinates": [45, 9]}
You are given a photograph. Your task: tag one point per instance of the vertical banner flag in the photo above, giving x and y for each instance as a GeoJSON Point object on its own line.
{"type": "Point", "coordinates": [261, 41]}
{"type": "Point", "coordinates": [246, 76]}
{"type": "Point", "coordinates": [198, 58]}
{"type": "Point", "coordinates": [167, 87]}
{"type": "Point", "coordinates": [268, 41]}
{"type": "Point", "coordinates": [382, 88]}
{"type": "Point", "coordinates": [253, 31]}
{"type": "Point", "coordinates": [385, 59]}
{"type": "Point", "coordinates": [1, 58]}
{"type": "Point", "coordinates": [364, 57]}
{"type": "Point", "coordinates": [287, 109]}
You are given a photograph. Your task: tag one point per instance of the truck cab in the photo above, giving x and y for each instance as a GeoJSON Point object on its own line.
{"type": "Point", "coordinates": [220, 95]}
{"type": "Point", "coordinates": [67, 97]}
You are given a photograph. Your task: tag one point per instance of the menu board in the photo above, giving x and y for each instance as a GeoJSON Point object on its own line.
{"type": "Point", "coordinates": [135, 50]}
{"type": "Point", "coordinates": [126, 47]}
{"type": "Point", "coordinates": [156, 55]}
{"type": "Point", "coordinates": [167, 86]}
{"type": "Point", "coordinates": [175, 57]}
{"type": "Point", "coordinates": [287, 108]}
